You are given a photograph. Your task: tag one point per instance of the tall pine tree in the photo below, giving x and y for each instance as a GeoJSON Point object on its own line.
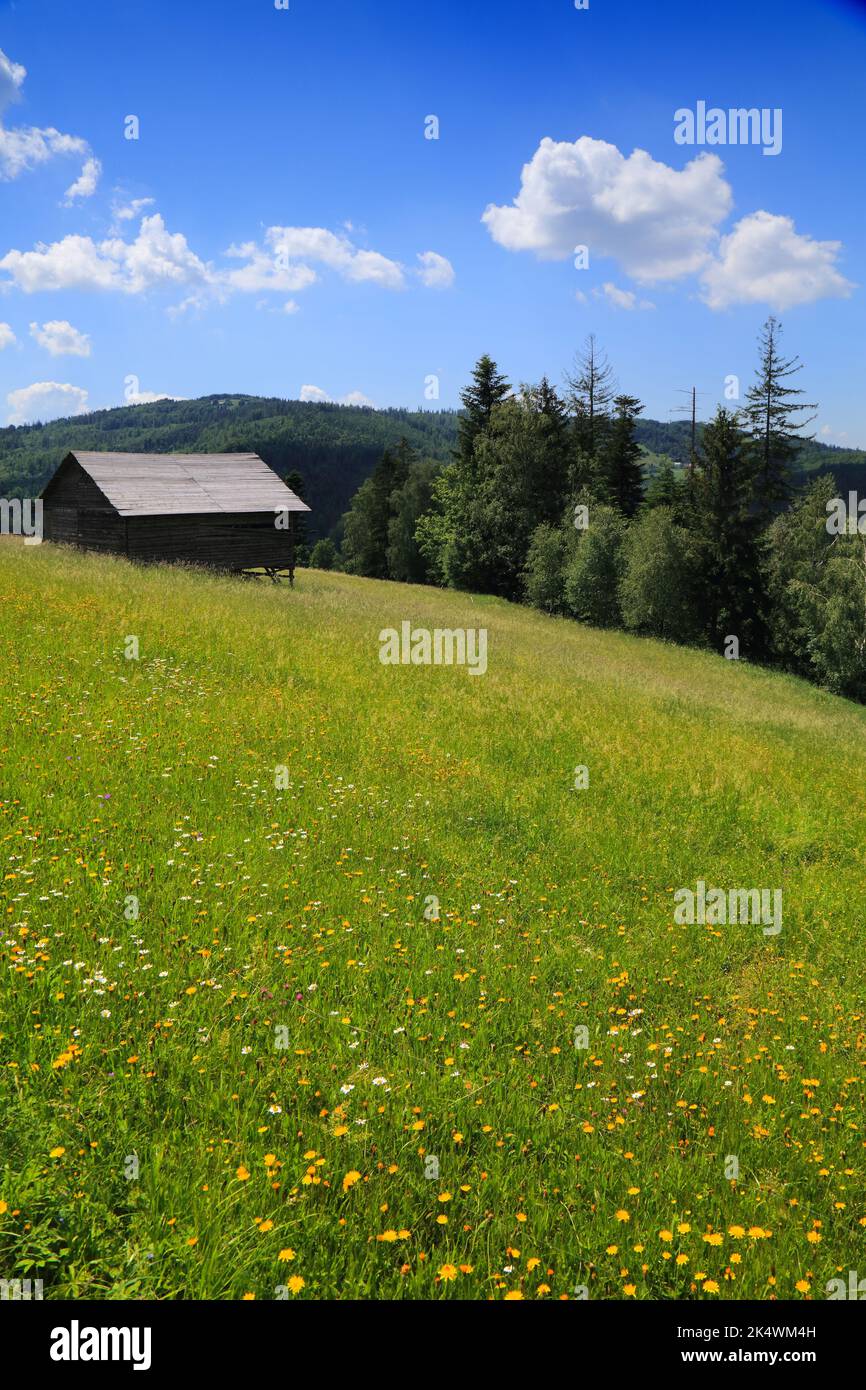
{"type": "Point", "coordinates": [487, 389]}
{"type": "Point", "coordinates": [772, 416]}
{"type": "Point", "coordinates": [620, 457]}
{"type": "Point", "coordinates": [590, 393]}
{"type": "Point", "coordinates": [728, 535]}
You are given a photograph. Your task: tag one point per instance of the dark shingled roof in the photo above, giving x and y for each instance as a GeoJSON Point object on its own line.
{"type": "Point", "coordinates": [187, 484]}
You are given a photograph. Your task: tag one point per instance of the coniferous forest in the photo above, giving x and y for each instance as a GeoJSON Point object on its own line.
{"type": "Point", "coordinates": [550, 498]}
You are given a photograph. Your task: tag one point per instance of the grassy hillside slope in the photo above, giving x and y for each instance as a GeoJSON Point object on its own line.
{"type": "Point", "coordinates": [426, 1126]}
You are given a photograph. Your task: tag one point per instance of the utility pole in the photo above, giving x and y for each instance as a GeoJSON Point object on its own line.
{"type": "Point", "coordinates": [692, 410]}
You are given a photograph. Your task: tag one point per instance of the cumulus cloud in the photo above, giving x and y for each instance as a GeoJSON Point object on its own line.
{"type": "Point", "coordinates": [147, 397]}
{"type": "Point", "coordinates": [295, 246]}
{"type": "Point", "coordinates": [827, 432]}
{"type": "Point", "coordinates": [127, 212]}
{"type": "Point", "coordinates": [23, 148]}
{"type": "Point", "coordinates": [45, 400]}
{"type": "Point", "coordinates": [659, 223]}
{"type": "Point", "coordinates": [764, 260]}
{"type": "Point", "coordinates": [315, 393]}
{"type": "Point", "coordinates": [85, 185]}
{"type": "Point", "coordinates": [7, 337]}
{"type": "Point", "coordinates": [60, 339]}
{"type": "Point", "coordinates": [263, 272]}
{"type": "Point", "coordinates": [436, 272]}
{"type": "Point", "coordinates": [157, 258]}
{"type": "Point", "coordinates": [620, 298]}
{"type": "Point", "coordinates": [12, 77]}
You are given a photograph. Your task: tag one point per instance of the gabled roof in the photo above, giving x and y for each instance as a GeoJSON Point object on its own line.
{"type": "Point", "coordinates": [187, 484]}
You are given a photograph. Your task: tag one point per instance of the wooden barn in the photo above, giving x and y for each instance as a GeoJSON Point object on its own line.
{"type": "Point", "coordinates": [227, 511]}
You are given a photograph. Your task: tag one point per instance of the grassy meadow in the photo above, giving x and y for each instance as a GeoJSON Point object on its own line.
{"type": "Point", "coordinates": [285, 1078]}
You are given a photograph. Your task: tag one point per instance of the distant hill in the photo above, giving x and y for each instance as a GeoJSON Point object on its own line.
{"type": "Point", "coordinates": [673, 437]}
{"type": "Point", "coordinates": [334, 447]}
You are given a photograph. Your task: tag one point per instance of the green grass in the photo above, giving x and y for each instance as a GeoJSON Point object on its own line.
{"type": "Point", "coordinates": [303, 908]}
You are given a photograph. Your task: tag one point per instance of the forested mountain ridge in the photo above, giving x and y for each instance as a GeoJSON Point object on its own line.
{"type": "Point", "coordinates": [334, 447]}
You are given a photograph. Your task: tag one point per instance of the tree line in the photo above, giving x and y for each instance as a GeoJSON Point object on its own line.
{"type": "Point", "coordinates": [545, 501]}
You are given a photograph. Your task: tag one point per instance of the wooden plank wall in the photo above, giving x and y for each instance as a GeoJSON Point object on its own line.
{"type": "Point", "coordinates": [77, 513]}
{"type": "Point", "coordinates": [241, 541]}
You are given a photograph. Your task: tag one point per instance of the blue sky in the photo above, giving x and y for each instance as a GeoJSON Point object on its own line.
{"type": "Point", "coordinates": [360, 263]}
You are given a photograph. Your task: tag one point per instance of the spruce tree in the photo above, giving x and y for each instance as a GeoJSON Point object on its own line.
{"type": "Point", "coordinates": [728, 535]}
{"type": "Point", "coordinates": [772, 416]}
{"type": "Point", "coordinates": [548, 465]}
{"type": "Point", "coordinates": [295, 481]}
{"type": "Point", "coordinates": [487, 390]}
{"type": "Point", "coordinates": [590, 392]}
{"type": "Point", "coordinates": [620, 456]}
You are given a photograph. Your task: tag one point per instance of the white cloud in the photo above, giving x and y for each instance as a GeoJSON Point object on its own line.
{"type": "Point", "coordinates": [45, 400]}
{"type": "Point", "coordinates": [315, 393]}
{"type": "Point", "coordinates": [290, 307]}
{"type": "Point", "coordinates": [621, 299]}
{"type": "Point", "coordinates": [147, 397]}
{"type": "Point", "coordinates": [25, 147]}
{"type": "Point", "coordinates": [763, 260]}
{"type": "Point", "coordinates": [12, 77]}
{"type": "Point", "coordinates": [436, 272]}
{"type": "Point", "coordinates": [263, 272]}
{"type": "Point", "coordinates": [296, 245]}
{"type": "Point", "coordinates": [127, 212]}
{"type": "Point", "coordinates": [7, 337]}
{"type": "Point", "coordinates": [157, 258]}
{"type": "Point", "coordinates": [60, 339]}
{"type": "Point", "coordinates": [85, 185]}
{"type": "Point", "coordinates": [827, 432]}
{"type": "Point", "coordinates": [659, 223]}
